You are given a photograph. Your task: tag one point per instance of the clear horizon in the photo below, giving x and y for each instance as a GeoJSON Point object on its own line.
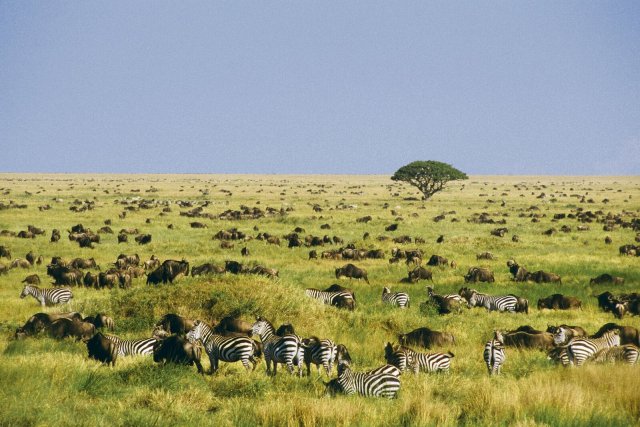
{"type": "Point", "coordinates": [362, 88]}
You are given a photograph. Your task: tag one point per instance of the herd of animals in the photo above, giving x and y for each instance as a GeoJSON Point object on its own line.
{"type": "Point", "coordinates": [177, 339]}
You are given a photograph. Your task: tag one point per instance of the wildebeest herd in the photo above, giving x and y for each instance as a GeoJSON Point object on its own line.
{"type": "Point", "coordinates": [250, 337]}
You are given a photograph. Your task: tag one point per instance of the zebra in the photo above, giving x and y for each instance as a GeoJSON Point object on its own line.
{"type": "Point", "coordinates": [494, 355]}
{"type": "Point", "coordinates": [328, 298]}
{"type": "Point", "coordinates": [47, 295]}
{"type": "Point", "coordinates": [430, 362]}
{"type": "Point", "coordinates": [385, 369]}
{"type": "Point", "coordinates": [628, 353]}
{"type": "Point", "coordinates": [493, 303]}
{"type": "Point", "coordinates": [219, 347]}
{"type": "Point", "coordinates": [581, 349]}
{"type": "Point", "coordinates": [139, 347]}
{"type": "Point", "coordinates": [399, 357]}
{"type": "Point", "coordinates": [400, 299]}
{"type": "Point", "coordinates": [320, 352]}
{"type": "Point", "coordinates": [453, 297]}
{"type": "Point", "coordinates": [365, 384]}
{"type": "Point", "coordinates": [286, 349]}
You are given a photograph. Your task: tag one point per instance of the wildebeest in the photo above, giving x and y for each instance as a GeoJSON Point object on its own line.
{"type": "Point", "coordinates": [628, 334]}
{"type": "Point", "coordinates": [244, 251]}
{"type": "Point", "coordinates": [624, 353]}
{"type": "Point", "coordinates": [176, 349]}
{"type": "Point", "coordinates": [479, 274]}
{"type": "Point", "coordinates": [607, 302]}
{"type": "Point", "coordinates": [5, 252]}
{"type": "Point", "coordinates": [41, 321]}
{"type": "Point", "coordinates": [559, 302]}
{"type": "Point", "coordinates": [544, 277]}
{"type": "Point", "coordinates": [233, 325]}
{"type": "Point", "coordinates": [175, 324]}
{"type": "Point", "coordinates": [520, 339]}
{"type": "Point", "coordinates": [64, 275]}
{"type": "Point", "coordinates": [102, 349]}
{"type": "Point", "coordinates": [425, 337]}
{"type": "Point", "coordinates": [18, 262]}
{"type": "Point", "coordinates": [519, 273]}
{"type": "Point", "coordinates": [172, 269]}
{"type": "Point", "coordinates": [606, 279]}
{"type": "Point", "coordinates": [32, 279]}
{"type": "Point", "coordinates": [437, 260]}
{"type": "Point", "coordinates": [143, 239]}
{"type": "Point", "coordinates": [123, 238]}
{"type": "Point", "coordinates": [62, 328]}
{"type": "Point", "coordinates": [206, 268]}
{"type": "Point", "coordinates": [420, 273]}
{"type": "Point", "coordinates": [485, 256]}
{"type": "Point", "coordinates": [271, 273]}
{"type": "Point", "coordinates": [445, 304]}
{"type": "Point", "coordinates": [84, 263]}
{"type": "Point", "coordinates": [234, 267]}
{"type": "Point", "coordinates": [108, 280]}
{"type": "Point", "coordinates": [351, 271]}
{"type": "Point", "coordinates": [100, 321]}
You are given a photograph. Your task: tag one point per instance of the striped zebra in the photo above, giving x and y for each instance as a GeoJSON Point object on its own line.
{"type": "Point", "coordinates": [365, 384]}
{"type": "Point", "coordinates": [385, 369]}
{"type": "Point", "coordinates": [399, 299]}
{"type": "Point", "coordinates": [139, 347]}
{"type": "Point", "coordinates": [227, 349]}
{"type": "Point", "coordinates": [493, 303]}
{"type": "Point", "coordinates": [399, 357]}
{"type": "Point", "coordinates": [494, 355]}
{"type": "Point", "coordinates": [628, 353]}
{"type": "Point", "coordinates": [319, 352]}
{"type": "Point", "coordinates": [278, 349]}
{"type": "Point", "coordinates": [430, 362]}
{"type": "Point", "coordinates": [47, 296]}
{"type": "Point", "coordinates": [581, 349]}
{"type": "Point", "coordinates": [329, 298]}
{"type": "Point", "coordinates": [452, 297]}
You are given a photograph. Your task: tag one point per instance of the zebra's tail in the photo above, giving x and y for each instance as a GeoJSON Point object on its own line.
{"type": "Point", "coordinates": [451, 354]}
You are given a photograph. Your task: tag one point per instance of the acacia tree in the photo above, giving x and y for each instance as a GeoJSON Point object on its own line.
{"type": "Point", "coordinates": [428, 176]}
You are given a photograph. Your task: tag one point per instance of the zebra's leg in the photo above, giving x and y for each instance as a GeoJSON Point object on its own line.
{"type": "Point", "coordinates": [213, 363]}
{"type": "Point", "coordinates": [245, 363]}
{"type": "Point", "coordinates": [254, 362]}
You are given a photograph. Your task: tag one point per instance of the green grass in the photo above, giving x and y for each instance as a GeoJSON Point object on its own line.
{"type": "Point", "coordinates": [70, 389]}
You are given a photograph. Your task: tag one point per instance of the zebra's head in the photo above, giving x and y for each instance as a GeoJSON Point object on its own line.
{"type": "Point", "coordinates": [560, 337]}
{"type": "Point", "coordinates": [261, 326]}
{"type": "Point", "coordinates": [196, 332]}
{"type": "Point", "coordinates": [385, 291]}
{"type": "Point", "coordinates": [612, 337]}
{"type": "Point", "coordinates": [498, 336]}
{"type": "Point", "coordinates": [26, 290]}
{"type": "Point", "coordinates": [473, 299]}
{"type": "Point", "coordinates": [429, 291]}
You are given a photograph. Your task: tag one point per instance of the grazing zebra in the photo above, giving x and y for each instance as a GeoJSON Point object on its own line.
{"type": "Point", "coordinates": [385, 369]}
{"type": "Point", "coordinates": [47, 295]}
{"type": "Point", "coordinates": [399, 357]}
{"type": "Point", "coordinates": [628, 353]}
{"type": "Point", "coordinates": [559, 354]}
{"type": "Point", "coordinates": [329, 298]}
{"type": "Point", "coordinates": [430, 362]}
{"type": "Point", "coordinates": [581, 349]}
{"type": "Point", "coordinates": [494, 354]}
{"type": "Point", "coordinates": [400, 299]}
{"type": "Point", "coordinates": [140, 347]}
{"type": "Point", "coordinates": [320, 352]}
{"type": "Point", "coordinates": [219, 347]}
{"type": "Point", "coordinates": [493, 303]}
{"type": "Point", "coordinates": [452, 297]}
{"type": "Point", "coordinates": [365, 384]}
{"type": "Point", "coordinates": [278, 349]}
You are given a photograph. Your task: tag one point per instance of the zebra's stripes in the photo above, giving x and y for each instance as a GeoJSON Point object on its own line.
{"type": "Point", "coordinates": [430, 362]}
{"type": "Point", "coordinates": [385, 369]}
{"type": "Point", "coordinates": [279, 349]}
{"type": "Point", "coordinates": [320, 352]}
{"type": "Point", "coordinates": [227, 349]}
{"type": "Point", "coordinates": [47, 296]}
{"type": "Point", "coordinates": [399, 357]}
{"type": "Point", "coordinates": [628, 353]}
{"type": "Point", "coordinates": [365, 384]}
{"type": "Point", "coordinates": [399, 299]}
{"type": "Point", "coordinates": [328, 298]}
{"type": "Point", "coordinates": [581, 349]}
{"type": "Point", "coordinates": [494, 355]}
{"type": "Point", "coordinates": [140, 347]}
{"type": "Point", "coordinates": [493, 303]}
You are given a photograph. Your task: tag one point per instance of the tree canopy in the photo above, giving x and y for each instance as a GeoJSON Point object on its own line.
{"type": "Point", "coordinates": [428, 176]}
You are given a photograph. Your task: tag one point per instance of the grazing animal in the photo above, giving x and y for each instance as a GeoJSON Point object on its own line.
{"type": "Point", "coordinates": [478, 274]}
{"type": "Point", "coordinates": [446, 303]}
{"type": "Point", "coordinates": [319, 352]}
{"type": "Point", "coordinates": [376, 385]}
{"type": "Point", "coordinates": [47, 296]}
{"type": "Point", "coordinates": [340, 299]}
{"type": "Point", "coordinates": [399, 357]}
{"type": "Point", "coordinates": [83, 263]}
{"type": "Point", "coordinates": [559, 302]}
{"type": "Point", "coordinates": [352, 272]}
{"type": "Point", "coordinates": [206, 268]}
{"type": "Point", "coordinates": [172, 269]}
{"type": "Point", "coordinates": [543, 277]}
{"type": "Point", "coordinates": [420, 273]}
{"type": "Point", "coordinates": [32, 279]}
{"type": "Point", "coordinates": [227, 349]}
{"type": "Point", "coordinates": [521, 339]}
{"type": "Point", "coordinates": [232, 325]}
{"type": "Point", "coordinates": [494, 355]}
{"type": "Point", "coordinates": [493, 303]}
{"type": "Point", "coordinates": [580, 349]}
{"type": "Point", "coordinates": [628, 334]}
{"type": "Point", "coordinates": [102, 349]}
{"type": "Point", "coordinates": [425, 337]}
{"type": "Point", "coordinates": [430, 362]}
{"type": "Point", "coordinates": [625, 353]}
{"type": "Point", "coordinates": [139, 347]}
{"type": "Point", "coordinates": [176, 349]}
{"type": "Point", "coordinates": [143, 239]}
{"type": "Point", "coordinates": [62, 328]}
{"type": "Point", "coordinates": [399, 299]}
{"type": "Point", "coordinates": [437, 260]}
{"type": "Point", "coordinates": [570, 332]}
{"type": "Point", "coordinates": [385, 369]}
{"type": "Point", "coordinates": [278, 349]}
{"type": "Point", "coordinates": [175, 324]}
{"type": "Point", "coordinates": [100, 321]}
{"type": "Point", "coordinates": [5, 252]}
{"type": "Point", "coordinates": [606, 279]}
{"type": "Point", "coordinates": [41, 321]}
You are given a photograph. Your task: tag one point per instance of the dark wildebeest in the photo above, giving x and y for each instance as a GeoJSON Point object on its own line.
{"type": "Point", "coordinates": [271, 273]}
{"type": "Point", "coordinates": [123, 238]}
{"type": "Point", "coordinates": [100, 321]}
{"type": "Point", "coordinates": [425, 337]}
{"type": "Point", "coordinates": [41, 321]}
{"type": "Point", "coordinates": [155, 276]}
{"type": "Point", "coordinates": [544, 277]}
{"type": "Point", "coordinates": [445, 305]}
{"type": "Point", "coordinates": [108, 280]}
{"type": "Point", "coordinates": [540, 340]}
{"type": "Point", "coordinates": [4, 269]}
{"type": "Point", "coordinates": [486, 256]}
{"type": "Point", "coordinates": [143, 239]}
{"type": "Point", "coordinates": [64, 275]}
{"type": "Point", "coordinates": [4, 252]}
{"type": "Point", "coordinates": [175, 324]}
{"type": "Point", "coordinates": [606, 279]}
{"type": "Point", "coordinates": [206, 268]}
{"type": "Point", "coordinates": [62, 328]}
{"type": "Point", "coordinates": [32, 279]}
{"type": "Point", "coordinates": [607, 302]}
{"type": "Point", "coordinates": [85, 242]}
{"type": "Point", "coordinates": [234, 267]}
{"type": "Point", "coordinates": [479, 274]}
{"type": "Point", "coordinates": [31, 257]}
{"type": "Point", "coordinates": [352, 272]}
{"type": "Point", "coordinates": [176, 349]}
{"type": "Point", "coordinates": [18, 262]}
{"type": "Point", "coordinates": [102, 349]}
{"type": "Point", "coordinates": [83, 263]}
{"type": "Point", "coordinates": [313, 254]}
{"type": "Point", "coordinates": [233, 325]}
{"type": "Point", "coordinates": [437, 260]}
{"type": "Point", "coordinates": [519, 273]}
{"type": "Point", "coordinates": [285, 329]}
{"type": "Point", "coordinates": [559, 302]}
{"type": "Point", "coordinates": [244, 251]}
{"type": "Point", "coordinates": [420, 273]}
{"type": "Point", "coordinates": [628, 334]}
{"type": "Point", "coordinates": [172, 269]}
{"type": "Point", "coordinates": [197, 225]}
{"type": "Point", "coordinates": [55, 235]}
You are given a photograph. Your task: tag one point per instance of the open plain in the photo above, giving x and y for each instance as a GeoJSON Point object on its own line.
{"type": "Point", "coordinates": [53, 382]}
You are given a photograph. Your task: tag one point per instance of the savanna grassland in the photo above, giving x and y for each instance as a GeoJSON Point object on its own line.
{"type": "Point", "coordinates": [48, 382]}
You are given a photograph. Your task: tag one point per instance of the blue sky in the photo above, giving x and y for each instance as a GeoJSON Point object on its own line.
{"type": "Point", "coordinates": [508, 87]}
